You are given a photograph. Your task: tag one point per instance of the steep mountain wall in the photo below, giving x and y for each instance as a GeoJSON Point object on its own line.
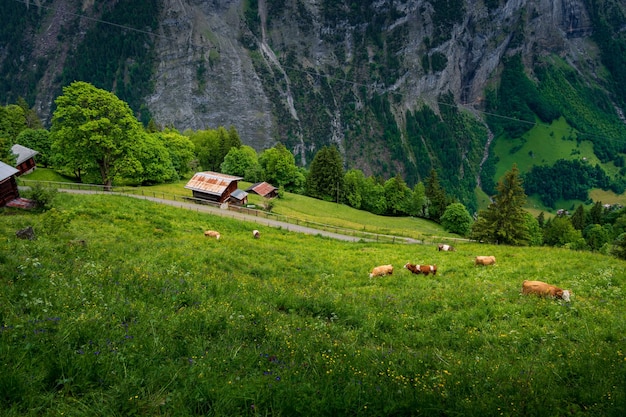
{"type": "Point", "coordinates": [309, 73]}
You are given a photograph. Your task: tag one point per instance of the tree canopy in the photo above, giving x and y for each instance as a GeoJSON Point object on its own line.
{"type": "Point", "coordinates": [279, 168]}
{"type": "Point", "coordinates": [92, 129]}
{"type": "Point", "coordinates": [456, 219]}
{"type": "Point", "coordinates": [243, 162]}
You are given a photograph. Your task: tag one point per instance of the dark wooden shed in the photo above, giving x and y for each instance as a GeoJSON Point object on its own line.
{"type": "Point", "coordinates": [25, 158]}
{"type": "Point", "coordinates": [263, 189]}
{"type": "Point", "coordinates": [8, 184]}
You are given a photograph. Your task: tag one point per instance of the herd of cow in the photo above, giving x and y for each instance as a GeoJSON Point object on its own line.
{"type": "Point", "coordinates": [539, 288]}
{"type": "Point", "coordinates": [528, 287]}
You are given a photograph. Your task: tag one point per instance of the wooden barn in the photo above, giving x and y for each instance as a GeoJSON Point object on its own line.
{"type": "Point", "coordinates": [25, 158]}
{"type": "Point", "coordinates": [8, 184]}
{"type": "Point", "coordinates": [263, 189]}
{"type": "Point", "coordinates": [213, 186]}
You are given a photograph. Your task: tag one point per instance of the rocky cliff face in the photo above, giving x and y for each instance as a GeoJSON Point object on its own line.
{"type": "Point", "coordinates": [296, 35]}
{"type": "Point", "coordinates": [309, 72]}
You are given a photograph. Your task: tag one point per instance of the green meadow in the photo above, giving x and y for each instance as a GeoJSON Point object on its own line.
{"type": "Point", "coordinates": [543, 145]}
{"type": "Point", "coordinates": [121, 307]}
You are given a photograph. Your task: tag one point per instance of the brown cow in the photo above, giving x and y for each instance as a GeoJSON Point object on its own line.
{"type": "Point", "coordinates": [421, 269]}
{"type": "Point", "coordinates": [545, 290]}
{"type": "Point", "coordinates": [485, 260]}
{"type": "Point", "coordinates": [212, 233]}
{"type": "Point", "coordinates": [445, 248]}
{"type": "Point", "coordinates": [381, 271]}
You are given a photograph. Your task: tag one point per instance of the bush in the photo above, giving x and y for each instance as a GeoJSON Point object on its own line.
{"type": "Point", "coordinates": [42, 196]}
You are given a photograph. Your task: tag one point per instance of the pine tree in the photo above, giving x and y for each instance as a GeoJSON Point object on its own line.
{"type": "Point", "coordinates": [541, 219]}
{"type": "Point", "coordinates": [504, 221]}
{"type": "Point", "coordinates": [578, 218]}
{"type": "Point", "coordinates": [595, 213]}
{"type": "Point", "coordinates": [436, 196]}
{"type": "Point", "coordinates": [325, 179]}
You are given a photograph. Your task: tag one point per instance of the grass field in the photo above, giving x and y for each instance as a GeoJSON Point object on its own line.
{"type": "Point", "coordinates": [127, 309]}
{"type": "Point", "coordinates": [542, 145]}
{"type": "Point", "coordinates": [299, 208]}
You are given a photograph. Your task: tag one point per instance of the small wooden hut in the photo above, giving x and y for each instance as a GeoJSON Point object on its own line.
{"type": "Point", "coordinates": [25, 158]}
{"type": "Point", "coordinates": [263, 189]}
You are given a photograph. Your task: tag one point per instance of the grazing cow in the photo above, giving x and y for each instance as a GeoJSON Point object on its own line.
{"type": "Point", "coordinates": [545, 290]}
{"type": "Point", "coordinates": [445, 248]}
{"type": "Point", "coordinates": [256, 234]}
{"type": "Point", "coordinates": [421, 269]}
{"type": "Point", "coordinates": [485, 260]}
{"type": "Point", "coordinates": [212, 233]}
{"type": "Point", "coordinates": [381, 271]}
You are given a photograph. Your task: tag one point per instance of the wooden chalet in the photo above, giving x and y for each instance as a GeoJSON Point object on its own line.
{"type": "Point", "coordinates": [263, 189]}
{"type": "Point", "coordinates": [213, 186]}
{"type": "Point", "coordinates": [8, 184]}
{"type": "Point", "coordinates": [25, 158]}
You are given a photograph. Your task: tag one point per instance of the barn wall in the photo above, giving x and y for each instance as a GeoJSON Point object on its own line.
{"type": "Point", "coordinates": [8, 191]}
{"type": "Point", "coordinates": [205, 196]}
{"type": "Point", "coordinates": [26, 166]}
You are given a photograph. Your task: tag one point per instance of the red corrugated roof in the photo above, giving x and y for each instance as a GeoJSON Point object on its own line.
{"type": "Point", "coordinates": [263, 188]}
{"type": "Point", "coordinates": [211, 182]}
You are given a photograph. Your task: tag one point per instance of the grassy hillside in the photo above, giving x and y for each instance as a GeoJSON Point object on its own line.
{"type": "Point", "coordinates": [542, 145]}
{"type": "Point", "coordinates": [130, 310]}
{"type": "Point", "coordinates": [300, 208]}
{"type": "Point", "coordinates": [306, 208]}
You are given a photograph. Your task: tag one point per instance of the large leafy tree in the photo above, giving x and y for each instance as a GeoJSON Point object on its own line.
{"type": "Point", "coordinates": [504, 221]}
{"type": "Point", "coordinates": [212, 145]}
{"type": "Point", "coordinates": [560, 232]}
{"type": "Point", "coordinates": [153, 163]}
{"type": "Point", "coordinates": [353, 185]}
{"type": "Point", "coordinates": [534, 230]}
{"type": "Point", "coordinates": [243, 162]}
{"type": "Point", "coordinates": [6, 155]}
{"type": "Point", "coordinates": [279, 168]}
{"type": "Point", "coordinates": [180, 148]}
{"type": "Point", "coordinates": [12, 122]}
{"type": "Point", "coordinates": [456, 219]}
{"type": "Point", "coordinates": [418, 200]}
{"type": "Point", "coordinates": [398, 196]}
{"type": "Point", "coordinates": [325, 178]}
{"type": "Point", "coordinates": [92, 128]}
{"type": "Point", "coordinates": [38, 140]}
{"type": "Point", "coordinates": [373, 195]}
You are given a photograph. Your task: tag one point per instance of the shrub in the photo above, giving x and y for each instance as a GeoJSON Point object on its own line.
{"type": "Point", "coordinates": [42, 196]}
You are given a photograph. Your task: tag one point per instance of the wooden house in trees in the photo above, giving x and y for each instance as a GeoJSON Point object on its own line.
{"type": "Point", "coordinates": [213, 186]}
{"type": "Point", "coordinates": [25, 158]}
{"type": "Point", "coordinates": [263, 189]}
{"type": "Point", "coordinates": [8, 184]}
